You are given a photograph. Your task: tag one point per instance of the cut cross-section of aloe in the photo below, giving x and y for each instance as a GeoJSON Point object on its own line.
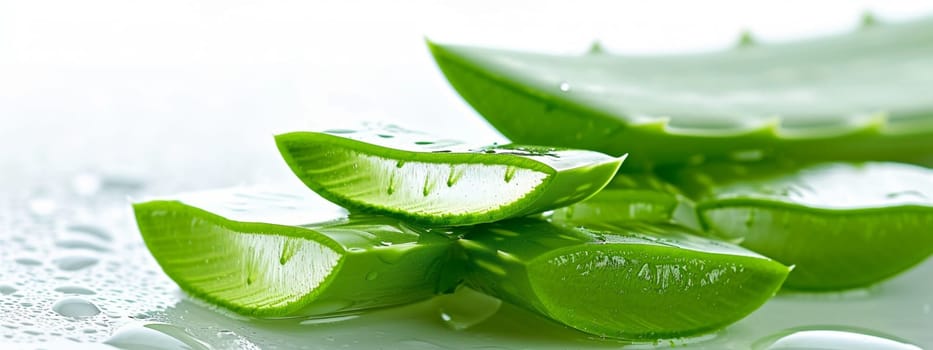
{"type": "Point", "coordinates": [859, 96]}
{"type": "Point", "coordinates": [632, 197]}
{"type": "Point", "coordinates": [411, 175]}
{"type": "Point", "coordinates": [269, 253]}
{"type": "Point", "coordinates": [842, 225]}
{"type": "Point", "coordinates": [637, 281]}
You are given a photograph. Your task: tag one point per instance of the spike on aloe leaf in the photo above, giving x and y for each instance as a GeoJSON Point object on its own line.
{"type": "Point", "coordinates": [868, 20]}
{"type": "Point", "coordinates": [596, 48]}
{"type": "Point", "coordinates": [746, 39]}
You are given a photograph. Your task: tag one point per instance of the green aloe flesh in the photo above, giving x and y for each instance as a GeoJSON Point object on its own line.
{"type": "Point", "coordinates": [268, 253]}
{"type": "Point", "coordinates": [413, 176]}
{"type": "Point", "coordinates": [638, 281]}
{"type": "Point", "coordinates": [842, 225]}
{"type": "Point", "coordinates": [632, 197]}
{"type": "Point", "coordinates": [857, 96]}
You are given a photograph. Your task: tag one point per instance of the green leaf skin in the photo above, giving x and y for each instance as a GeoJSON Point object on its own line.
{"type": "Point", "coordinates": [418, 178]}
{"type": "Point", "coordinates": [858, 96]}
{"type": "Point", "coordinates": [267, 253]}
{"type": "Point", "coordinates": [638, 282]}
{"type": "Point", "coordinates": [632, 197]}
{"type": "Point", "coordinates": [842, 225]}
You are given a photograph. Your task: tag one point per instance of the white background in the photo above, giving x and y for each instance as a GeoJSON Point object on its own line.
{"type": "Point", "coordinates": [172, 88]}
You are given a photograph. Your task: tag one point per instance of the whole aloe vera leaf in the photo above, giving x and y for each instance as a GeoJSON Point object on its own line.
{"type": "Point", "coordinates": [413, 176]}
{"type": "Point", "coordinates": [842, 225]}
{"type": "Point", "coordinates": [632, 197]}
{"type": "Point", "coordinates": [638, 281]}
{"type": "Point", "coordinates": [269, 253]}
{"type": "Point", "coordinates": [859, 96]}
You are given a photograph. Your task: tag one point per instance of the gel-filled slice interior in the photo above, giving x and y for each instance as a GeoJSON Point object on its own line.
{"type": "Point", "coordinates": [270, 253]}
{"type": "Point", "coordinates": [414, 176]}
{"type": "Point", "coordinates": [637, 281]}
{"type": "Point", "coordinates": [843, 225]}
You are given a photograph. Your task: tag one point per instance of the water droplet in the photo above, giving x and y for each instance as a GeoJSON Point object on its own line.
{"type": "Point", "coordinates": [79, 244]}
{"type": "Point", "coordinates": [92, 231]}
{"type": "Point", "coordinates": [42, 206]}
{"type": "Point", "coordinates": [385, 136]}
{"type": "Point", "coordinates": [74, 263]}
{"type": "Point", "coordinates": [399, 164]}
{"type": "Point", "coordinates": [155, 336]}
{"type": "Point", "coordinates": [27, 261]}
{"type": "Point", "coordinates": [340, 131]}
{"type": "Point", "coordinates": [509, 173]}
{"type": "Point", "coordinates": [564, 86]}
{"type": "Point", "coordinates": [910, 194]}
{"type": "Point", "coordinates": [832, 340]}
{"type": "Point", "coordinates": [75, 307]}
{"type": "Point", "coordinates": [748, 155]}
{"type": "Point", "coordinates": [465, 308]}
{"type": "Point", "coordinates": [394, 254]}
{"type": "Point", "coordinates": [75, 290]}
{"type": "Point", "coordinates": [7, 289]}
{"type": "Point", "coordinates": [422, 143]}
{"type": "Point", "coordinates": [86, 184]}
{"type": "Point", "coordinates": [372, 275]}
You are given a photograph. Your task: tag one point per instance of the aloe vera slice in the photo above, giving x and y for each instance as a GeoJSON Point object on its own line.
{"type": "Point", "coordinates": [268, 253]}
{"type": "Point", "coordinates": [859, 96]}
{"type": "Point", "coordinates": [632, 197]}
{"type": "Point", "coordinates": [842, 225]}
{"type": "Point", "coordinates": [419, 178]}
{"type": "Point", "coordinates": [637, 282]}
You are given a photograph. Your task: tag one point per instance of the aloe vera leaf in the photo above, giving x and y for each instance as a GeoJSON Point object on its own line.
{"type": "Point", "coordinates": [268, 253]}
{"type": "Point", "coordinates": [638, 281]}
{"type": "Point", "coordinates": [858, 96]}
{"type": "Point", "coordinates": [632, 197]}
{"type": "Point", "coordinates": [843, 225]}
{"type": "Point", "coordinates": [413, 176]}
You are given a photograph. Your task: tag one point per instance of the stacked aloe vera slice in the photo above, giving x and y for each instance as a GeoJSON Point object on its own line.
{"type": "Point", "coordinates": [747, 168]}
{"type": "Point", "coordinates": [400, 216]}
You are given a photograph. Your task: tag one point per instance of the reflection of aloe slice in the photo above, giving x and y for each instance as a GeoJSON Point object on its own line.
{"type": "Point", "coordinates": [632, 197]}
{"type": "Point", "coordinates": [860, 96]}
{"type": "Point", "coordinates": [214, 246]}
{"type": "Point", "coordinates": [842, 225]}
{"type": "Point", "coordinates": [411, 175]}
{"type": "Point", "coordinates": [637, 282]}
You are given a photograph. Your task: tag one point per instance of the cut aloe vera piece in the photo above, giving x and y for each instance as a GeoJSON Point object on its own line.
{"type": "Point", "coordinates": [269, 253]}
{"type": "Point", "coordinates": [859, 96]}
{"type": "Point", "coordinates": [638, 281]}
{"type": "Point", "coordinates": [414, 176]}
{"type": "Point", "coordinates": [842, 225]}
{"type": "Point", "coordinates": [632, 197]}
